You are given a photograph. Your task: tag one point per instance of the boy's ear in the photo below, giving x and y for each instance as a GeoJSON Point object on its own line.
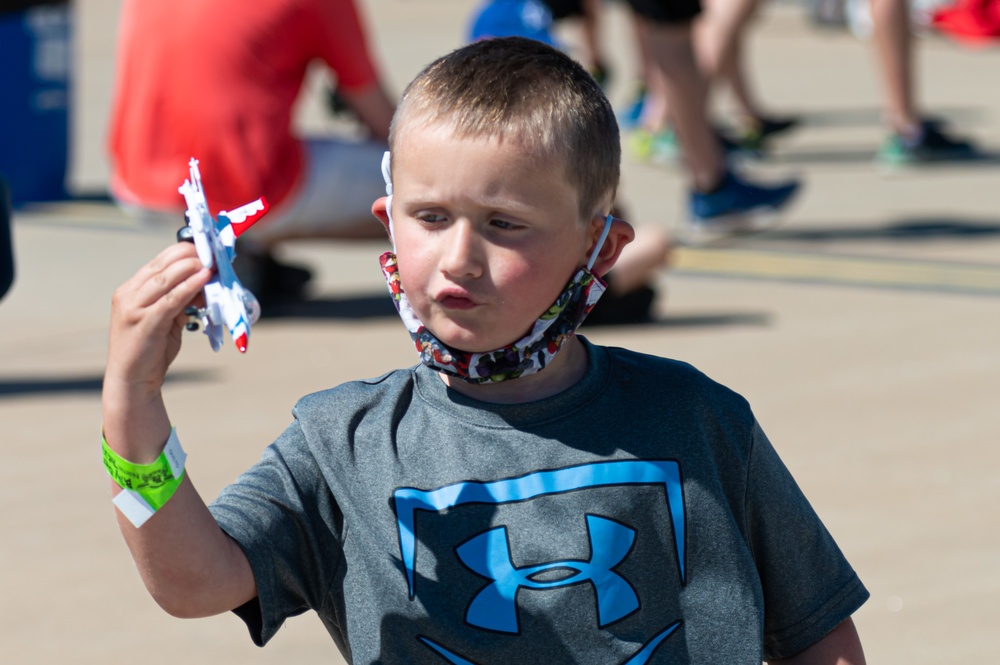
{"type": "Point", "coordinates": [380, 212]}
{"type": "Point", "coordinates": [621, 234]}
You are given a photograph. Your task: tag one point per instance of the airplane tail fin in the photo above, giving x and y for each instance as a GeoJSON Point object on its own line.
{"type": "Point", "coordinates": [245, 216]}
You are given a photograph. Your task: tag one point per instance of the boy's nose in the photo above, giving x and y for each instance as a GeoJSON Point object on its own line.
{"type": "Point", "coordinates": [462, 253]}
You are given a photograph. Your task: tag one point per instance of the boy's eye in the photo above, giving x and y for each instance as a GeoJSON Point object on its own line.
{"type": "Point", "coordinates": [429, 217]}
{"type": "Point", "coordinates": [503, 224]}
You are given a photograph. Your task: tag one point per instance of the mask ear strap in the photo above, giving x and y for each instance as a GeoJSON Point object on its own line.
{"type": "Point", "coordinates": [387, 176]}
{"type": "Point", "coordinates": [600, 243]}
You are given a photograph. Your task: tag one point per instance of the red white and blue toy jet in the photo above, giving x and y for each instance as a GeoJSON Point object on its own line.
{"type": "Point", "coordinates": [226, 301]}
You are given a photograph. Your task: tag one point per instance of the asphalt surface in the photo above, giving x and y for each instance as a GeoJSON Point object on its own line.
{"type": "Point", "coordinates": [863, 330]}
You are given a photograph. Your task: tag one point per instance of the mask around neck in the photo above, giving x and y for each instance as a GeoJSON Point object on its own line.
{"type": "Point", "coordinates": [528, 355]}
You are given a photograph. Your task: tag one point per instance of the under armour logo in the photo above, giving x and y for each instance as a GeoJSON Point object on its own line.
{"type": "Point", "coordinates": [495, 607]}
{"type": "Point", "coordinates": [662, 473]}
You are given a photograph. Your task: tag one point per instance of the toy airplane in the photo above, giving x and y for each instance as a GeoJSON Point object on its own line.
{"type": "Point", "coordinates": [226, 301]}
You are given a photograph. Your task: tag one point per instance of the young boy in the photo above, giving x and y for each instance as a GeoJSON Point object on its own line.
{"type": "Point", "coordinates": [544, 501]}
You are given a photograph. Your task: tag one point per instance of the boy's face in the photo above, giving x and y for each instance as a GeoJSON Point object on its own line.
{"type": "Point", "coordinates": [487, 234]}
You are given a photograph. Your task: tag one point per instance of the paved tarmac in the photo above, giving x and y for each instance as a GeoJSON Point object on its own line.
{"type": "Point", "coordinates": [863, 331]}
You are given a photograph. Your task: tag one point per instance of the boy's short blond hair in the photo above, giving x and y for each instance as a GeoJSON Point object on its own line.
{"type": "Point", "coordinates": [522, 90]}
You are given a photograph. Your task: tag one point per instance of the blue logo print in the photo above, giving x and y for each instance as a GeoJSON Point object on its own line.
{"type": "Point", "coordinates": [665, 473]}
{"type": "Point", "coordinates": [487, 554]}
{"type": "Point", "coordinates": [495, 608]}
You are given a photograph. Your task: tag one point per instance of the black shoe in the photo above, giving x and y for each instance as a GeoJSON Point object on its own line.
{"type": "Point", "coordinates": [273, 282]}
{"type": "Point", "coordinates": [738, 147]}
{"type": "Point", "coordinates": [633, 307]}
{"type": "Point", "coordinates": [755, 134]}
{"type": "Point", "coordinates": [932, 145]}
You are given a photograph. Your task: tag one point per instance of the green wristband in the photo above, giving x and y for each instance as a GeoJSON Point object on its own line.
{"type": "Point", "coordinates": [145, 487]}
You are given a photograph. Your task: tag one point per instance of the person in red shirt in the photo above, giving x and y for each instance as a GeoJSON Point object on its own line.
{"type": "Point", "coordinates": [217, 80]}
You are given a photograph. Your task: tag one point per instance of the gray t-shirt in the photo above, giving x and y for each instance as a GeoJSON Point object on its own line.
{"type": "Point", "coordinates": [641, 516]}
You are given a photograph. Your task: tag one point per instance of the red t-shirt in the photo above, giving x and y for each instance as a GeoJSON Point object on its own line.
{"type": "Point", "coordinates": [216, 80]}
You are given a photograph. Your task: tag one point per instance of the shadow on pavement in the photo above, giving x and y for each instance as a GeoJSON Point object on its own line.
{"type": "Point", "coordinates": [907, 230]}
{"type": "Point", "coordinates": [841, 154]}
{"type": "Point", "coordinates": [708, 320]}
{"type": "Point", "coordinates": [55, 385]}
{"type": "Point", "coordinates": [873, 116]}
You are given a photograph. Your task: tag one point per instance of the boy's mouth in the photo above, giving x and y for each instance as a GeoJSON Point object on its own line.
{"type": "Point", "coordinates": [455, 299]}
{"type": "Point", "coordinates": [455, 302]}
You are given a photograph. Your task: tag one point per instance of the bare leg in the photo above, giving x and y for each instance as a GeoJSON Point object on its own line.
{"type": "Point", "coordinates": [719, 31]}
{"type": "Point", "coordinates": [671, 51]}
{"type": "Point", "coordinates": [654, 106]}
{"type": "Point", "coordinates": [894, 49]}
{"type": "Point", "coordinates": [592, 33]}
{"type": "Point", "coordinates": [719, 47]}
{"type": "Point", "coordinates": [739, 87]}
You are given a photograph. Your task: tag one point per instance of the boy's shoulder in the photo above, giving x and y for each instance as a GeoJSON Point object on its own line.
{"type": "Point", "coordinates": [630, 362]}
{"type": "Point", "coordinates": [662, 379]}
{"type": "Point", "coordinates": [360, 392]}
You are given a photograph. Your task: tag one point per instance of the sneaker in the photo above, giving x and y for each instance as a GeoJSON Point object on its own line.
{"type": "Point", "coordinates": [663, 148]}
{"type": "Point", "coordinates": [272, 282]}
{"type": "Point", "coordinates": [734, 148]}
{"type": "Point", "coordinates": [755, 134]}
{"type": "Point", "coordinates": [736, 206]}
{"type": "Point", "coordinates": [633, 307]}
{"type": "Point", "coordinates": [932, 145]}
{"type": "Point", "coordinates": [629, 117]}
{"type": "Point", "coordinates": [656, 147]}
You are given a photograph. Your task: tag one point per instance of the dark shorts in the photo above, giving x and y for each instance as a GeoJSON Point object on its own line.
{"type": "Point", "coordinates": [667, 11]}
{"type": "Point", "coordinates": [564, 8]}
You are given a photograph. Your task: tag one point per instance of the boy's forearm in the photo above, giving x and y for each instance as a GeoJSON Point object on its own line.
{"type": "Point", "coordinates": [136, 425]}
{"type": "Point", "coordinates": [188, 564]}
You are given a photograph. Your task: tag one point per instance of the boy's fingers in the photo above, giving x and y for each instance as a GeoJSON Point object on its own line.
{"type": "Point", "coordinates": [160, 291]}
{"type": "Point", "coordinates": [173, 281]}
{"type": "Point", "coordinates": [179, 294]}
{"type": "Point", "coordinates": [152, 287]}
{"type": "Point", "coordinates": [176, 253]}
{"type": "Point", "coordinates": [172, 254]}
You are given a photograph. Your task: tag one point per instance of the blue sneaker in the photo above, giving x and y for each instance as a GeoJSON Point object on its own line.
{"type": "Point", "coordinates": [736, 206]}
{"type": "Point", "coordinates": [629, 117]}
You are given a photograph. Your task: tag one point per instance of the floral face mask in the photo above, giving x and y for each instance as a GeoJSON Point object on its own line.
{"type": "Point", "coordinates": [527, 355]}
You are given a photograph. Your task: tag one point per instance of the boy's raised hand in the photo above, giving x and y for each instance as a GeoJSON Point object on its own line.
{"type": "Point", "coordinates": [147, 316]}
{"type": "Point", "coordinates": [186, 561]}
{"type": "Point", "coordinates": [147, 321]}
